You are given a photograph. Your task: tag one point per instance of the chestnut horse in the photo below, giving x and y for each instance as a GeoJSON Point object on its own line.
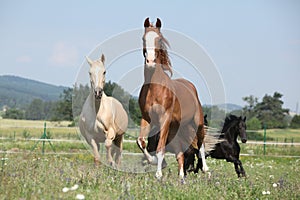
{"type": "Point", "coordinates": [170, 105]}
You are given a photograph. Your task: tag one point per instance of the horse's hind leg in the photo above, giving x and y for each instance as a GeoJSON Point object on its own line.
{"type": "Point", "coordinates": [202, 154]}
{"type": "Point", "coordinates": [181, 171]}
{"type": "Point", "coordinates": [117, 149]}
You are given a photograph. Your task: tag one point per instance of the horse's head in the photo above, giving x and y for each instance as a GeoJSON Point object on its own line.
{"type": "Point", "coordinates": [155, 46]}
{"type": "Point", "coordinates": [242, 129]}
{"type": "Point", "coordinates": [235, 126]}
{"type": "Point", "coordinates": [97, 75]}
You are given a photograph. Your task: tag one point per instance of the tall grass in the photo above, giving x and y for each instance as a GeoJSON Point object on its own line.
{"type": "Point", "coordinates": [44, 177]}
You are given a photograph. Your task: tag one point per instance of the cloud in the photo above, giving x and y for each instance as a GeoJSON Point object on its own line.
{"type": "Point", "coordinates": [64, 55]}
{"type": "Point", "coordinates": [23, 59]}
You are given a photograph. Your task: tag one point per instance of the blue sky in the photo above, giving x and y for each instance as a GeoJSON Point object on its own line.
{"type": "Point", "coordinates": [254, 44]}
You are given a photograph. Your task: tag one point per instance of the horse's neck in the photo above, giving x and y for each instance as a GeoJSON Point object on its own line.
{"type": "Point", "coordinates": [231, 134]}
{"type": "Point", "coordinates": [97, 103]}
{"type": "Point", "coordinates": [156, 75]}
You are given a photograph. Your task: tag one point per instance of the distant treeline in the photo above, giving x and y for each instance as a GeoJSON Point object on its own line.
{"type": "Point", "coordinates": [268, 113]}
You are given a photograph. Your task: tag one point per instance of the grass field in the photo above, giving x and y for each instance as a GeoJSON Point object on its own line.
{"type": "Point", "coordinates": [45, 177]}
{"type": "Point", "coordinates": [28, 174]}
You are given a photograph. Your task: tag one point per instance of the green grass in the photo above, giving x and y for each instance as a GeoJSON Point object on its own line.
{"type": "Point", "coordinates": [27, 174]}
{"type": "Point", "coordinates": [276, 135]}
{"type": "Point", "coordinates": [44, 177]}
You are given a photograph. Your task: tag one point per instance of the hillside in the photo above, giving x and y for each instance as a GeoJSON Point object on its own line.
{"type": "Point", "coordinates": [17, 91]}
{"type": "Point", "coordinates": [228, 107]}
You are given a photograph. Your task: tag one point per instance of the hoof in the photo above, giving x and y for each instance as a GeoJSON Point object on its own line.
{"type": "Point", "coordinates": [97, 163]}
{"type": "Point", "coordinates": [112, 164]}
{"type": "Point", "coordinates": [208, 175]}
{"type": "Point", "coordinates": [205, 169]}
{"type": "Point", "coordinates": [182, 181]}
{"type": "Point", "coordinates": [158, 175]}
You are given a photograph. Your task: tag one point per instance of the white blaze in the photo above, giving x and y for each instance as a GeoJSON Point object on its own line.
{"type": "Point", "coordinates": [150, 45]}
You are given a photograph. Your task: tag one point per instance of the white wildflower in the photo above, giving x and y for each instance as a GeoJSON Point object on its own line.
{"type": "Point", "coordinates": [65, 189]}
{"type": "Point", "coordinates": [271, 176]}
{"type": "Point", "coordinates": [266, 192]}
{"type": "Point", "coordinates": [275, 185]}
{"type": "Point", "coordinates": [80, 196]}
{"type": "Point", "coordinates": [75, 187]}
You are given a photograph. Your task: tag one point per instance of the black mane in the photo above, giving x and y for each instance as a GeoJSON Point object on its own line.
{"type": "Point", "coordinates": [228, 122]}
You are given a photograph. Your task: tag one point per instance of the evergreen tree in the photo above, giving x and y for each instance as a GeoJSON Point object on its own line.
{"type": "Point", "coordinates": [64, 106]}
{"type": "Point", "coordinates": [295, 123]}
{"type": "Point", "coordinates": [270, 111]}
{"type": "Point", "coordinates": [248, 110]}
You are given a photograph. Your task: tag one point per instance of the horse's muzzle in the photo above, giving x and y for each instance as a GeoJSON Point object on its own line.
{"type": "Point", "coordinates": [98, 93]}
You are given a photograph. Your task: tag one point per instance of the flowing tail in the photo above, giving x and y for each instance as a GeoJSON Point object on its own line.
{"type": "Point", "coordinates": [212, 137]}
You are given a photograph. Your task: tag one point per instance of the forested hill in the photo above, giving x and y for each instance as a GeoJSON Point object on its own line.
{"type": "Point", "coordinates": [17, 91]}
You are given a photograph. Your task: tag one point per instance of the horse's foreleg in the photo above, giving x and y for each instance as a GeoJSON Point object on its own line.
{"type": "Point", "coordinates": [95, 152]}
{"type": "Point", "coordinates": [241, 168]}
{"type": "Point", "coordinates": [144, 131]}
{"type": "Point", "coordinates": [108, 145]}
{"type": "Point", "coordinates": [110, 136]}
{"type": "Point", "coordinates": [160, 151]}
{"type": "Point", "coordinates": [141, 142]}
{"type": "Point", "coordinates": [237, 170]}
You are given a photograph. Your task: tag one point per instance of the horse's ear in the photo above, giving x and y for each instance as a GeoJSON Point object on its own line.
{"type": "Point", "coordinates": [102, 58]}
{"type": "Point", "coordinates": [89, 60]}
{"type": "Point", "coordinates": [147, 22]}
{"type": "Point", "coordinates": [244, 119]}
{"type": "Point", "coordinates": [158, 23]}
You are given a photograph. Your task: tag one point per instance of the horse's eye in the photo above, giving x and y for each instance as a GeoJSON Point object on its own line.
{"type": "Point", "coordinates": [104, 72]}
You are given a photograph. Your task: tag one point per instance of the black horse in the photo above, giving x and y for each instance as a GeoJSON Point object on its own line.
{"type": "Point", "coordinates": [229, 149]}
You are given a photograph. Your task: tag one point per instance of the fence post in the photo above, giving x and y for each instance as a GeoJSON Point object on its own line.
{"type": "Point", "coordinates": [265, 138]}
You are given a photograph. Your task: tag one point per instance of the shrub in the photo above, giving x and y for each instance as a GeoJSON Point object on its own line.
{"type": "Point", "coordinates": [253, 124]}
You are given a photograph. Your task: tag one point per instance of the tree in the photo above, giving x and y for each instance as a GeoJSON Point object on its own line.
{"type": "Point", "coordinates": [14, 113]}
{"type": "Point", "coordinates": [248, 110]}
{"type": "Point", "coordinates": [80, 93]}
{"type": "Point", "coordinates": [295, 123]}
{"type": "Point", "coordinates": [253, 124]}
{"type": "Point", "coordinates": [35, 110]}
{"type": "Point", "coordinates": [134, 111]}
{"type": "Point", "coordinates": [63, 109]}
{"type": "Point", "coordinates": [215, 116]}
{"type": "Point", "coordinates": [270, 111]}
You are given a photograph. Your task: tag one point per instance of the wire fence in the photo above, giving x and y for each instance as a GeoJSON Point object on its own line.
{"type": "Point", "coordinates": [133, 135]}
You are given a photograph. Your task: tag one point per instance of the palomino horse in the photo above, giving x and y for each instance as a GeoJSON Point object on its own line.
{"type": "Point", "coordinates": [168, 104]}
{"type": "Point", "coordinates": [103, 118]}
{"type": "Point", "coordinates": [229, 148]}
